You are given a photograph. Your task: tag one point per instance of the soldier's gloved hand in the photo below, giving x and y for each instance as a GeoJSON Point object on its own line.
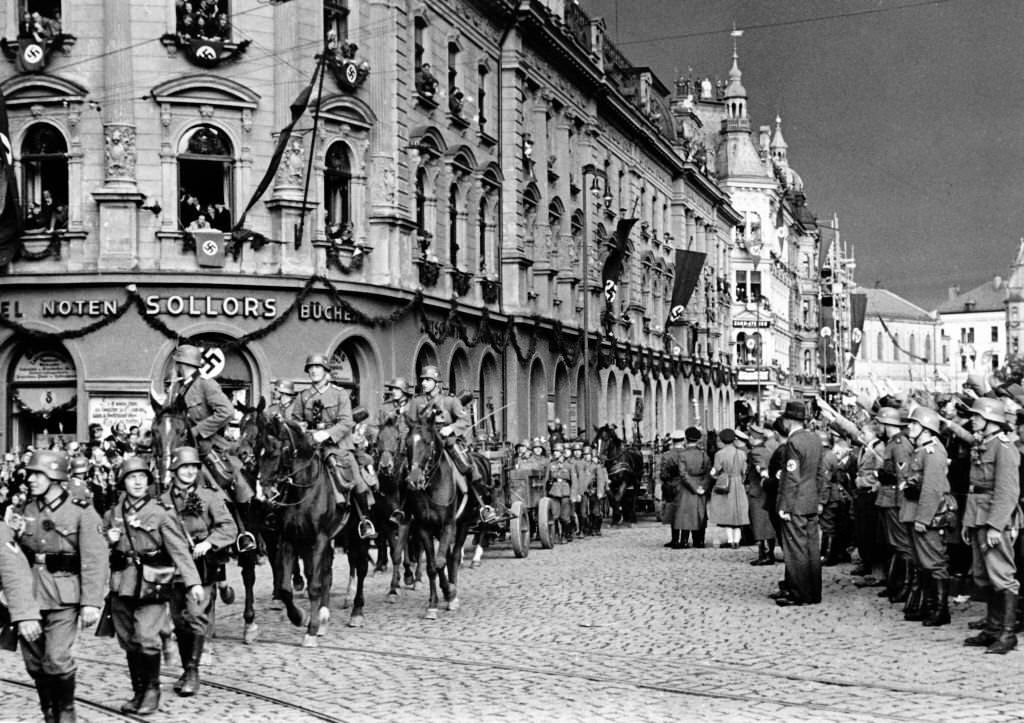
{"type": "Point", "coordinates": [30, 630]}
{"type": "Point", "coordinates": [201, 549]}
{"type": "Point", "coordinates": [446, 430]}
{"type": "Point", "coordinates": [993, 537]}
{"type": "Point", "coordinates": [919, 527]}
{"type": "Point", "coordinates": [197, 594]}
{"type": "Point", "coordinates": [321, 435]}
{"type": "Point", "coordinates": [89, 615]}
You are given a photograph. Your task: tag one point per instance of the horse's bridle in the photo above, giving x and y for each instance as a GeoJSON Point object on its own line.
{"type": "Point", "coordinates": [427, 471]}
{"type": "Point", "coordinates": [287, 461]}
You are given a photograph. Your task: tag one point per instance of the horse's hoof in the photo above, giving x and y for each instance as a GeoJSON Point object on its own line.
{"type": "Point", "coordinates": [324, 615]}
{"type": "Point", "coordinates": [227, 594]}
{"type": "Point", "coordinates": [356, 621]}
{"type": "Point", "coordinates": [310, 641]}
{"type": "Point", "coordinates": [454, 604]}
{"type": "Point", "coordinates": [345, 603]}
{"type": "Point", "coordinates": [252, 631]}
{"type": "Point", "coordinates": [431, 614]}
{"type": "Point", "coordinates": [298, 584]}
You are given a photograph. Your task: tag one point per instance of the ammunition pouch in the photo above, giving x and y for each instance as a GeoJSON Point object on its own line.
{"type": "Point", "coordinates": [119, 561]}
{"type": "Point", "coordinates": [912, 490]}
{"type": "Point", "coordinates": [211, 569]}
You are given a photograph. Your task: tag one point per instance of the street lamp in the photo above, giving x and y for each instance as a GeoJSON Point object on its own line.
{"type": "Point", "coordinates": [595, 189]}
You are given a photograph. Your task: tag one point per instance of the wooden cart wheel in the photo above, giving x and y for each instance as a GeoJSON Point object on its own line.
{"type": "Point", "coordinates": [545, 524]}
{"type": "Point", "coordinates": [519, 530]}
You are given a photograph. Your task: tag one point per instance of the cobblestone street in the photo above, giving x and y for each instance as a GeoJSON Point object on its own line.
{"type": "Point", "coordinates": [616, 628]}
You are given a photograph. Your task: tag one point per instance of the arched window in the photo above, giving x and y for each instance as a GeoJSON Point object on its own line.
{"type": "Point", "coordinates": [421, 199]}
{"type": "Point", "coordinates": [44, 168]}
{"type": "Point", "coordinates": [741, 348]}
{"type": "Point", "coordinates": [453, 225]}
{"type": "Point", "coordinates": [927, 349]}
{"type": "Point", "coordinates": [807, 362]}
{"type": "Point", "coordinates": [758, 350]}
{"type": "Point", "coordinates": [895, 346]}
{"type": "Point", "coordinates": [576, 230]}
{"type": "Point", "coordinates": [205, 177]}
{"type": "Point", "coordinates": [912, 348]}
{"type": "Point", "coordinates": [338, 187]}
{"type": "Point", "coordinates": [555, 211]}
{"type": "Point", "coordinates": [879, 349]}
{"type": "Point", "coordinates": [531, 201]}
{"type": "Point", "coordinates": [42, 383]}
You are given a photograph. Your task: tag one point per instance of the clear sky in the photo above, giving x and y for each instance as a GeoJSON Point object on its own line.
{"type": "Point", "coordinates": [904, 117]}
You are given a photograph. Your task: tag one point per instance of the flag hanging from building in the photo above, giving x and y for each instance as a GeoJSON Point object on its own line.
{"type": "Point", "coordinates": [612, 269]}
{"type": "Point", "coordinates": [298, 107]}
{"type": "Point", "coordinates": [689, 264]}
{"type": "Point", "coordinates": [858, 310]}
{"type": "Point", "coordinates": [10, 209]}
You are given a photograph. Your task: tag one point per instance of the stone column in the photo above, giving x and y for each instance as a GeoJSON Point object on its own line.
{"type": "Point", "coordinates": [119, 197]}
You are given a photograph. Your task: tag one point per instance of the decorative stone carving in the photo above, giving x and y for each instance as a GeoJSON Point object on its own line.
{"type": "Point", "coordinates": [293, 164]}
{"type": "Point", "coordinates": [119, 144]}
{"type": "Point", "coordinates": [247, 120]}
{"type": "Point", "coordinates": [206, 111]}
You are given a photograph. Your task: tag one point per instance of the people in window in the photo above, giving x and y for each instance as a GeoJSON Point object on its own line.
{"type": "Point", "coordinates": [201, 223]}
{"type": "Point", "coordinates": [426, 82]}
{"type": "Point", "coordinates": [38, 27]}
{"type": "Point", "coordinates": [205, 19]}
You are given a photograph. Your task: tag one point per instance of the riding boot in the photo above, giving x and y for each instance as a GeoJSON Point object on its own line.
{"type": "Point", "coordinates": [769, 556]}
{"type": "Point", "coordinates": [913, 610]}
{"type": "Point", "coordinates": [45, 691]}
{"type": "Point", "coordinates": [940, 611]}
{"type": "Point", "coordinates": [908, 578]}
{"type": "Point", "coordinates": [993, 620]}
{"type": "Point", "coordinates": [835, 552]}
{"type": "Point", "coordinates": [64, 697]}
{"type": "Point", "coordinates": [190, 686]}
{"type": "Point", "coordinates": [674, 542]}
{"type": "Point", "coordinates": [893, 575]}
{"type": "Point", "coordinates": [984, 595]}
{"type": "Point", "coordinates": [761, 553]}
{"type": "Point", "coordinates": [596, 521]}
{"type": "Point", "coordinates": [1006, 640]}
{"type": "Point", "coordinates": [149, 666]}
{"type": "Point", "coordinates": [186, 641]}
{"type": "Point", "coordinates": [134, 671]}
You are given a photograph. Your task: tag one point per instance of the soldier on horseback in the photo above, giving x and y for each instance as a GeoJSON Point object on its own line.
{"type": "Point", "coordinates": [455, 425]}
{"type": "Point", "coordinates": [209, 410]}
{"type": "Point", "coordinates": [325, 411]}
{"type": "Point", "coordinates": [282, 397]}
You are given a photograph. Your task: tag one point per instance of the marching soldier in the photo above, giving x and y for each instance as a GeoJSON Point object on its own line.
{"type": "Point", "coordinates": [208, 528]}
{"type": "Point", "coordinates": [63, 541]}
{"type": "Point", "coordinates": [17, 582]}
{"type": "Point", "coordinates": [926, 488]}
{"type": "Point", "coordinates": [144, 534]}
{"type": "Point", "coordinates": [892, 478]}
{"type": "Point", "coordinates": [991, 522]}
{"type": "Point", "coordinates": [598, 489]}
{"type": "Point", "coordinates": [326, 413]}
{"type": "Point", "coordinates": [581, 483]}
{"type": "Point", "coordinates": [561, 481]}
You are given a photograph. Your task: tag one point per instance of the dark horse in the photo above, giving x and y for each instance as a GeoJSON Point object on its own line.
{"type": "Point", "coordinates": [437, 511]}
{"type": "Point", "coordinates": [171, 430]}
{"type": "Point", "coordinates": [625, 467]}
{"type": "Point", "coordinates": [295, 477]}
{"type": "Point", "coordinates": [392, 523]}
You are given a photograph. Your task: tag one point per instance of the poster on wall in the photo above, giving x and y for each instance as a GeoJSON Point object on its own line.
{"type": "Point", "coordinates": [109, 410]}
{"type": "Point", "coordinates": [44, 366]}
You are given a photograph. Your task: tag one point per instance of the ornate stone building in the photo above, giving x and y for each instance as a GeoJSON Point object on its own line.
{"type": "Point", "coordinates": [450, 199]}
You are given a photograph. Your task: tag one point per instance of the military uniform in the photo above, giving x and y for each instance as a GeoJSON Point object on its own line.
{"type": "Point", "coordinates": [327, 408]}
{"type": "Point", "coordinates": [868, 535]}
{"type": "Point", "coordinates": [562, 477]}
{"type": "Point", "coordinates": [63, 540]}
{"type": "Point", "coordinates": [16, 579]}
{"type": "Point", "coordinates": [692, 511]}
{"type": "Point", "coordinates": [892, 479]}
{"type": "Point", "coordinates": [929, 484]}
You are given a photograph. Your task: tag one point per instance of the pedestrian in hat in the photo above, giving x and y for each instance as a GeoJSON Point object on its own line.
{"type": "Point", "coordinates": [799, 505]}
{"type": "Point", "coordinates": [672, 466]}
{"type": "Point", "coordinates": [691, 517]}
{"type": "Point", "coordinates": [727, 507]}
{"type": "Point", "coordinates": [756, 475]}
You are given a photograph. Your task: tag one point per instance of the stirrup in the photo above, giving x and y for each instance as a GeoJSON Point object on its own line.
{"type": "Point", "coordinates": [487, 514]}
{"type": "Point", "coordinates": [245, 542]}
{"type": "Point", "coordinates": [366, 529]}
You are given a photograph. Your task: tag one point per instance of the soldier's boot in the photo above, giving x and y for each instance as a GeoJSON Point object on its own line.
{"type": "Point", "coordinates": [186, 639]}
{"type": "Point", "coordinates": [985, 595]}
{"type": "Point", "coordinates": [826, 545]}
{"type": "Point", "coordinates": [1006, 640]}
{"type": "Point", "coordinates": [64, 697]}
{"type": "Point", "coordinates": [698, 538]}
{"type": "Point", "coordinates": [907, 583]}
{"type": "Point", "coordinates": [674, 542]}
{"type": "Point", "coordinates": [149, 665]}
{"type": "Point", "coordinates": [762, 553]}
{"type": "Point", "coordinates": [134, 671]}
{"type": "Point", "coordinates": [914, 608]}
{"type": "Point", "coordinates": [595, 524]}
{"type": "Point", "coordinates": [993, 620]}
{"type": "Point", "coordinates": [769, 558]}
{"type": "Point", "coordinates": [191, 685]}
{"type": "Point", "coordinates": [940, 613]}
{"type": "Point", "coordinates": [45, 691]}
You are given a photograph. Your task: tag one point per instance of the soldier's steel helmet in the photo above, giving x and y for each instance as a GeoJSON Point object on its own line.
{"type": "Point", "coordinates": [183, 456]}
{"type": "Point", "coordinates": [430, 372]}
{"type": "Point", "coordinates": [52, 463]}
{"type": "Point", "coordinates": [190, 355]}
{"type": "Point", "coordinates": [79, 466]}
{"type": "Point", "coordinates": [285, 388]}
{"type": "Point", "coordinates": [134, 464]}
{"type": "Point", "coordinates": [927, 418]}
{"type": "Point", "coordinates": [990, 409]}
{"type": "Point", "coordinates": [399, 383]}
{"type": "Point", "coordinates": [316, 360]}
{"type": "Point", "coordinates": [890, 416]}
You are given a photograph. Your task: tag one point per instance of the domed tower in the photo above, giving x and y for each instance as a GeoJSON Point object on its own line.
{"type": "Point", "coordinates": [778, 146]}
{"type": "Point", "coordinates": [735, 98]}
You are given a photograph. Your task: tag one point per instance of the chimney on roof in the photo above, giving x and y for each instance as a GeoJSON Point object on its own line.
{"type": "Point", "coordinates": [997, 282]}
{"type": "Point", "coordinates": [954, 291]}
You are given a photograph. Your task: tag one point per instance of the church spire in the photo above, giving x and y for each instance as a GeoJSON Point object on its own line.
{"type": "Point", "coordinates": [778, 146]}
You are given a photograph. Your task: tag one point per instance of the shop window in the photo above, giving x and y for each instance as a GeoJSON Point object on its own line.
{"type": "Point", "coordinates": [741, 348]}
{"type": "Point", "coordinates": [338, 189]}
{"type": "Point", "coordinates": [40, 19]}
{"type": "Point", "coordinates": [44, 166]}
{"type": "Point", "coordinates": [336, 19]}
{"type": "Point", "coordinates": [208, 19]}
{"type": "Point", "coordinates": [205, 179]}
{"type": "Point", "coordinates": [42, 402]}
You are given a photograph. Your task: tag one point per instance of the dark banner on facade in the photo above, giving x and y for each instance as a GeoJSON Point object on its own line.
{"type": "Point", "coordinates": [858, 310]}
{"type": "Point", "coordinates": [612, 270]}
{"type": "Point", "coordinates": [689, 264]}
{"type": "Point", "coordinates": [10, 211]}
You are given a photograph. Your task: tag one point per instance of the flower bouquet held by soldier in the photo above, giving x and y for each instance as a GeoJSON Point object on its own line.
{"type": "Point", "coordinates": [147, 549]}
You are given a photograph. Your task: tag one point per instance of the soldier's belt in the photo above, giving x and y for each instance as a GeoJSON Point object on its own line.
{"type": "Point", "coordinates": [57, 561]}
{"type": "Point", "coordinates": [976, 490]}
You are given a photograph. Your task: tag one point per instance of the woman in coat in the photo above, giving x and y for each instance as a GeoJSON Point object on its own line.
{"type": "Point", "coordinates": [728, 506]}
